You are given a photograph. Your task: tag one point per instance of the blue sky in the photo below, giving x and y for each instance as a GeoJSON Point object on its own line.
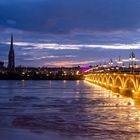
{"type": "Point", "coordinates": [69, 32]}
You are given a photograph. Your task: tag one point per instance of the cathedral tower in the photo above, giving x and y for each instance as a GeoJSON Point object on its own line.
{"type": "Point", "coordinates": [11, 56]}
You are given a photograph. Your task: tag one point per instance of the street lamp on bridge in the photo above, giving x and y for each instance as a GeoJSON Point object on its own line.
{"type": "Point", "coordinates": [105, 65]}
{"type": "Point", "coordinates": [132, 60]}
{"type": "Point", "coordinates": [111, 63]}
{"type": "Point", "coordinates": [110, 68]}
{"type": "Point", "coordinates": [120, 63]}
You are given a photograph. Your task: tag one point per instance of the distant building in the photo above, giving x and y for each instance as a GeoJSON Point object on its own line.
{"type": "Point", "coordinates": [11, 56]}
{"type": "Point", "coordinates": [1, 64]}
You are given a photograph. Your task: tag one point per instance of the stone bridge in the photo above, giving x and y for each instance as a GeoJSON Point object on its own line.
{"type": "Point", "coordinates": [126, 84]}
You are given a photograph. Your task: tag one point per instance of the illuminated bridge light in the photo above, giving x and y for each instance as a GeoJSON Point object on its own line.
{"type": "Point", "coordinates": [133, 91]}
{"type": "Point", "coordinates": [120, 82]}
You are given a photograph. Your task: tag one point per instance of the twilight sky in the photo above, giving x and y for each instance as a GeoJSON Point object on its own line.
{"type": "Point", "coordinates": [69, 32]}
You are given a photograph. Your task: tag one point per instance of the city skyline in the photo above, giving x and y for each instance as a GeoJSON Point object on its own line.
{"type": "Point", "coordinates": [69, 69]}
{"type": "Point", "coordinates": [68, 33]}
{"type": "Point", "coordinates": [11, 65]}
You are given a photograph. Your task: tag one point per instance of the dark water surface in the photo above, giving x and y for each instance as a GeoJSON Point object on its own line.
{"type": "Point", "coordinates": [65, 110]}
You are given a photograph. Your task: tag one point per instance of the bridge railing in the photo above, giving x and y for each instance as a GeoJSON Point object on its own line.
{"type": "Point", "coordinates": [113, 70]}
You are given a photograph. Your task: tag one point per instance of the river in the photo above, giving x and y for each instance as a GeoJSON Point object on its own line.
{"type": "Point", "coordinates": [65, 110]}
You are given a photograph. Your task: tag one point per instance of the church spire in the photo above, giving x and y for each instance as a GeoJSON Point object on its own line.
{"type": "Point", "coordinates": [11, 62]}
{"type": "Point", "coordinates": [11, 41]}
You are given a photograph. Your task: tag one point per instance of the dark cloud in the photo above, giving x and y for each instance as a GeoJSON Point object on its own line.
{"type": "Point", "coordinates": [64, 16]}
{"type": "Point", "coordinates": [98, 22]}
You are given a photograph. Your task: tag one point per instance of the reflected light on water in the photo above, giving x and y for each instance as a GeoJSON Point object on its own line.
{"type": "Point", "coordinates": [79, 110]}
{"type": "Point", "coordinates": [77, 82]}
{"type": "Point", "coordinates": [122, 100]}
{"type": "Point", "coordinates": [64, 81]}
{"type": "Point", "coordinates": [122, 107]}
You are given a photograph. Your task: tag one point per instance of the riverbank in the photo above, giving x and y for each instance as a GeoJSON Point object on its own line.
{"type": "Point", "coordinates": [16, 76]}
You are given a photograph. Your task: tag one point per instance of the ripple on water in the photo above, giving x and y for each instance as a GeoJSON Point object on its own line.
{"type": "Point", "coordinates": [88, 113]}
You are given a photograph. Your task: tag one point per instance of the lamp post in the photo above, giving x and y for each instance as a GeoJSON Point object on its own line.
{"type": "Point", "coordinates": [104, 66]}
{"type": "Point", "coordinates": [110, 64]}
{"type": "Point", "coordinates": [120, 62]}
{"type": "Point", "coordinates": [123, 66]}
{"type": "Point", "coordinates": [136, 65]}
{"type": "Point", "coordinates": [132, 59]}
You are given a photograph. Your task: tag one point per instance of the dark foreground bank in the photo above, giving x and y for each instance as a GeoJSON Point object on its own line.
{"type": "Point", "coordinates": [36, 76]}
{"type": "Point", "coordinates": [29, 73]}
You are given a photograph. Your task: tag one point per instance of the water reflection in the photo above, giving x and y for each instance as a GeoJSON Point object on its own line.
{"type": "Point", "coordinates": [68, 108]}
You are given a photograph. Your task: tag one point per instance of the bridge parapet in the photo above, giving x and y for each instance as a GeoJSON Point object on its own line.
{"type": "Point", "coordinates": [126, 84]}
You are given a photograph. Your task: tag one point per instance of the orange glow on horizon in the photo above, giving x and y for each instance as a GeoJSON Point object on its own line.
{"type": "Point", "coordinates": [70, 63]}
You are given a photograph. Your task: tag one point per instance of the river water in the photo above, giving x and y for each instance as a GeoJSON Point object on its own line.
{"type": "Point", "coordinates": [65, 110]}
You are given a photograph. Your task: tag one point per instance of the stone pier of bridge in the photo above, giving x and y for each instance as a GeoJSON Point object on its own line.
{"type": "Point", "coordinates": [125, 84]}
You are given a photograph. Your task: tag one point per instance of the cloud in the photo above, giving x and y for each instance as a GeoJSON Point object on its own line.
{"type": "Point", "coordinates": [47, 57]}
{"type": "Point", "coordinates": [84, 55]}
{"type": "Point", "coordinates": [76, 31]}
{"type": "Point", "coordinates": [72, 46]}
{"type": "Point", "coordinates": [55, 17]}
{"type": "Point", "coordinates": [45, 46]}
{"type": "Point", "coordinates": [70, 63]}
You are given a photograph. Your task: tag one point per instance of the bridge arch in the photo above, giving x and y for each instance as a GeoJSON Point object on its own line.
{"type": "Point", "coordinates": [138, 83]}
{"type": "Point", "coordinates": [126, 84]}
{"type": "Point", "coordinates": [99, 79]}
{"type": "Point", "coordinates": [118, 82]}
{"type": "Point", "coordinates": [104, 79]}
{"type": "Point", "coordinates": [130, 84]}
{"type": "Point", "coordinates": [93, 77]}
{"type": "Point", "coordinates": [110, 80]}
